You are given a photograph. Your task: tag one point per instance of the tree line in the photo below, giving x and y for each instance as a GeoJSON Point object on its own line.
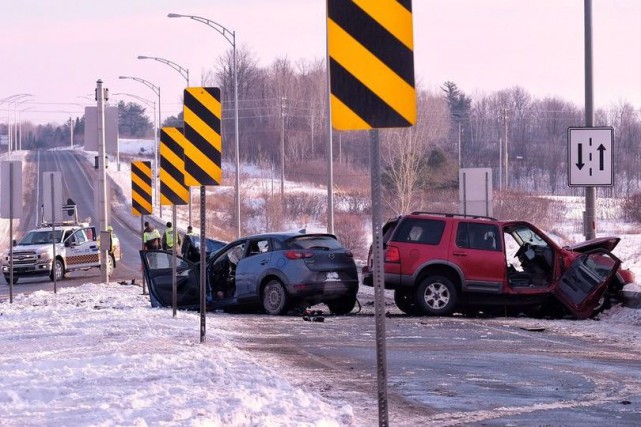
{"type": "Point", "coordinates": [521, 137]}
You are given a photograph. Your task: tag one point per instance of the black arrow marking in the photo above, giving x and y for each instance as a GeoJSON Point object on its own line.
{"type": "Point", "coordinates": [601, 149]}
{"type": "Point", "coordinates": [580, 164]}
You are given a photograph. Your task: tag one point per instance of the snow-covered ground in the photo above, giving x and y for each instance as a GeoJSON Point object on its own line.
{"type": "Point", "coordinates": [100, 355]}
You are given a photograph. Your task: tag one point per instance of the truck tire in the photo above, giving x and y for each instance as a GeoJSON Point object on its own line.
{"type": "Point", "coordinates": [15, 279]}
{"type": "Point", "coordinates": [436, 296]}
{"type": "Point", "coordinates": [605, 302]}
{"type": "Point", "coordinates": [58, 270]}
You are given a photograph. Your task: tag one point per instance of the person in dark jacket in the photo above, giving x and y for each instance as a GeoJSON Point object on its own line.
{"type": "Point", "coordinates": [188, 250]}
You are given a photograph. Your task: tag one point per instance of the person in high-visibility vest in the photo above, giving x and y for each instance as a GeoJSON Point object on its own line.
{"type": "Point", "coordinates": [151, 237]}
{"type": "Point", "coordinates": [168, 238]}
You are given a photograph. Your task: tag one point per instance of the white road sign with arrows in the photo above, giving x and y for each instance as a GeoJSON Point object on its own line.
{"type": "Point", "coordinates": [591, 156]}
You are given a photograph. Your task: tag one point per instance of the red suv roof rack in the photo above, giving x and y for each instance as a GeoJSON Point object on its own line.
{"type": "Point", "coordinates": [454, 215]}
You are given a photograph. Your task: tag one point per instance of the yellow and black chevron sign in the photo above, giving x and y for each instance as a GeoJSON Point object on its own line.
{"type": "Point", "coordinates": [203, 149]}
{"type": "Point", "coordinates": [371, 58]}
{"type": "Point", "coordinates": [173, 191]}
{"type": "Point", "coordinates": [141, 188]}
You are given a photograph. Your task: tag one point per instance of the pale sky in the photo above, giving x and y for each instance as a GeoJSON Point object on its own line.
{"type": "Point", "coordinates": [57, 49]}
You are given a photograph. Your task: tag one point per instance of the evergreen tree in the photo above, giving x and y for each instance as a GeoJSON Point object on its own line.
{"type": "Point", "coordinates": [132, 120]}
{"type": "Point", "coordinates": [460, 106]}
{"type": "Point", "coordinates": [174, 121]}
{"type": "Point", "coordinates": [458, 102]}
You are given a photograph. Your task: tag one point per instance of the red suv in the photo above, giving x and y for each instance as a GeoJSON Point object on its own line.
{"type": "Point", "coordinates": [437, 263]}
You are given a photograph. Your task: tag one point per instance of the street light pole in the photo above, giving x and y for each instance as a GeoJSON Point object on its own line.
{"type": "Point", "coordinates": [156, 90]}
{"type": "Point", "coordinates": [16, 121]}
{"type": "Point", "coordinates": [12, 100]}
{"type": "Point", "coordinates": [19, 124]}
{"type": "Point", "coordinates": [184, 72]}
{"type": "Point", "coordinates": [230, 36]}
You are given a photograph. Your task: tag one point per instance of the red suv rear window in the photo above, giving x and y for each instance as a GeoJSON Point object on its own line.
{"type": "Point", "coordinates": [426, 231]}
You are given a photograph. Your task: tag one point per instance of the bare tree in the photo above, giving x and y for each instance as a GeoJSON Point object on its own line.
{"type": "Point", "coordinates": [403, 156]}
{"type": "Point", "coordinates": [248, 77]}
{"type": "Point", "coordinates": [406, 153]}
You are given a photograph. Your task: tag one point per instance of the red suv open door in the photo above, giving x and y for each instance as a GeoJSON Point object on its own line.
{"type": "Point", "coordinates": [581, 285]}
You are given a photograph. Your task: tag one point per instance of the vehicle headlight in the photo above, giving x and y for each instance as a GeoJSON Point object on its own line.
{"type": "Point", "coordinates": [45, 256]}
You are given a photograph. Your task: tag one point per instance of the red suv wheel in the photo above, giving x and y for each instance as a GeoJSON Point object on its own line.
{"type": "Point", "coordinates": [436, 296]}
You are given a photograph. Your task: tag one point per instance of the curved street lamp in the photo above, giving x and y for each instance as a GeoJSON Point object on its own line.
{"type": "Point", "coordinates": [14, 100]}
{"type": "Point", "coordinates": [13, 97]}
{"type": "Point", "coordinates": [146, 101]}
{"type": "Point", "coordinates": [156, 90]}
{"type": "Point", "coordinates": [230, 36]}
{"type": "Point", "coordinates": [184, 72]}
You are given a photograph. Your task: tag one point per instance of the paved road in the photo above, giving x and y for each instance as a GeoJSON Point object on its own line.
{"type": "Point", "coordinates": [455, 371]}
{"type": "Point", "coordinates": [78, 178]}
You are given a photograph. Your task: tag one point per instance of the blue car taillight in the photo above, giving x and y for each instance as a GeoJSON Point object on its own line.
{"type": "Point", "coordinates": [298, 254]}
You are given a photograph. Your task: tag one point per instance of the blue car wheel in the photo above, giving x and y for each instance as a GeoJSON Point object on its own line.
{"type": "Point", "coordinates": [274, 298]}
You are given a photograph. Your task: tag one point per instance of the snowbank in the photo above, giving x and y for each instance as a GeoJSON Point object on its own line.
{"type": "Point", "coordinates": [100, 355]}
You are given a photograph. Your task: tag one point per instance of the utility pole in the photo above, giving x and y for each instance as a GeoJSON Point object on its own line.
{"type": "Point", "coordinates": [505, 157]}
{"type": "Point", "coordinates": [71, 132]}
{"type": "Point", "coordinates": [589, 222]}
{"type": "Point", "coordinates": [102, 95]}
{"type": "Point", "coordinates": [312, 130]}
{"type": "Point", "coordinates": [282, 153]}
{"type": "Point", "coordinates": [459, 145]}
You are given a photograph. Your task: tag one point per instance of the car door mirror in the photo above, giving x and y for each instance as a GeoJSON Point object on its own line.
{"type": "Point", "coordinates": [14, 242]}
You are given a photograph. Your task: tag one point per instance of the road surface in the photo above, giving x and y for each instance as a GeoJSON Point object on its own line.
{"type": "Point", "coordinates": [78, 177]}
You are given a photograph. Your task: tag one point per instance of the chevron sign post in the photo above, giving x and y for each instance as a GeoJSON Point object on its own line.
{"type": "Point", "coordinates": [202, 111]}
{"type": "Point", "coordinates": [371, 66]}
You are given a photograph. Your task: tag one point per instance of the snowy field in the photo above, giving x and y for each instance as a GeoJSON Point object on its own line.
{"type": "Point", "coordinates": [100, 355]}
